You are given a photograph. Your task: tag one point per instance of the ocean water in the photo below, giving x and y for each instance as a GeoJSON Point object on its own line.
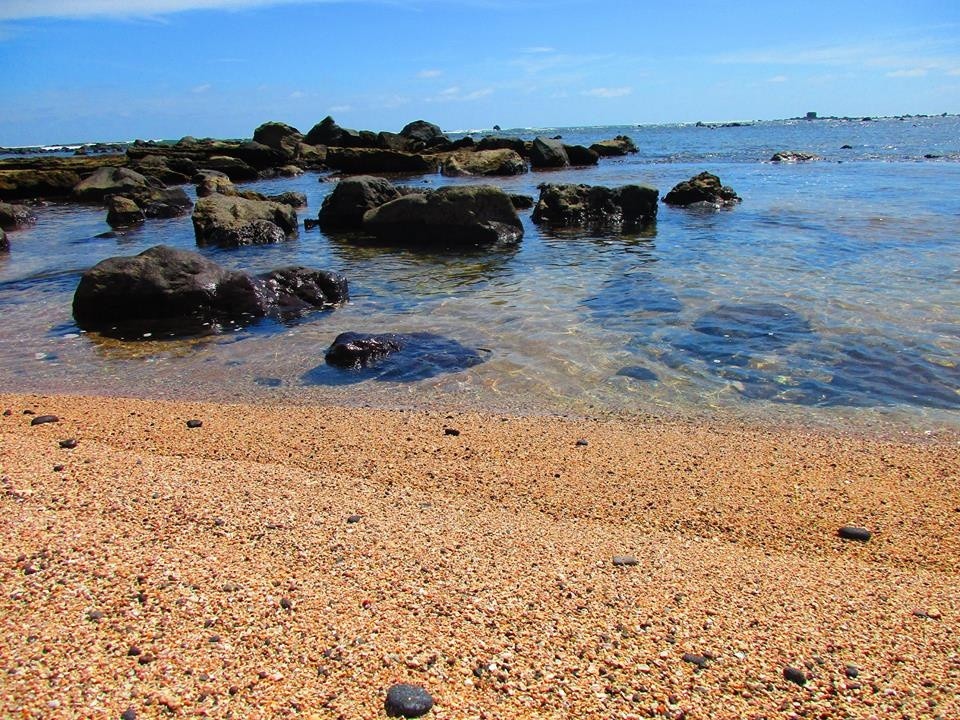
{"type": "Point", "coordinates": [830, 296]}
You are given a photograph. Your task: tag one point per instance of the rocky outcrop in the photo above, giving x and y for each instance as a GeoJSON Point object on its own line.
{"type": "Point", "coordinates": [620, 145]}
{"type": "Point", "coordinates": [484, 162]}
{"type": "Point", "coordinates": [20, 184]}
{"type": "Point", "coordinates": [344, 208]}
{"type": "Point", "coordinates": [422, 134]}
{"type": "Point", "coordinates": [230, 221]}
{"type": "Point", "coordinates": [123, 212]}
{"type": "Point", "coordinates": [177, 292]}
{"type": "Point", "coordinates": [234, 168]}
{"type": "Point", "coordinates": [14, 216]}
{"type": "Point", "coordinates": [548, 153]}
{"type": "Point", "coordinates": [357, 350]}
{"type": "Point", "coordinates": [279, 136]}
{"type": "Point", "coordinates": [108, 181]}
{"type": "Point", "coordinates": [579, 155]}
{"type": "Point", "coordinates": [367, 160]}
{"type": "Point", "coordinates": [327, 132]}
{"type": "Point", "coordinates": [161, 168]}
{"type": "Point", "coordinates": [572, 205]}
{"type": "Point", "coordinates": [452, 217]}
{"type": "Point", "coordinates": [792, 156]}
{"type": "Point", "coordinates": [519, 146]}
{"type": "Point", "coordinates": [212, 182]}
{"type": "Point", "coordinates": [704, 188]}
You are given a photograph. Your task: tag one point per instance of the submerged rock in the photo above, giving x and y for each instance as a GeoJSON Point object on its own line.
{"type": "Point", "coordinates": [178, 292]}
{"type": "Point", "coordinates": [571, 205]}
{"type": "Point", "coordinates": [454, 217]}
{"type": "Point", "coordinates": [703, 188]}
{"type": "Point", "coordinates": [123, 212]}
{"type": "Point", "coordinates": [345, 207]}
{"type": "Point", "coordinates": [357, 350]}
{"type": "Point", "coordinates": [484, 162]}
{"type": "Point", "coordinates": [234, 221]}
{"type": "Point", "coordinates": [793, 156]}
{"type": "Point", "coordinates": [14, 216]}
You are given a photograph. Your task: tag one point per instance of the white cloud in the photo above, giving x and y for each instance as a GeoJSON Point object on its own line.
{"type": "Point", "coordinates": [539, 50]}
{"type": "Point", "coordinates": [432, 73]}
{"type": "Point", "coordinates": [200, 89]}
{"type": "Point", "coordinates": [778, 79]}
{"type": "Point", "coordinates": [604, 92]}
{"type": "Point", "coordinates": [341, 108]}
{"type": "Point", "coordinates": [456, 94]}
{"type": "Point", "coordinates": [451, 91]}
{"type": "Point", "coordinates": [297, 94]}
{"type": "Point", "coordinates": [912, 73]}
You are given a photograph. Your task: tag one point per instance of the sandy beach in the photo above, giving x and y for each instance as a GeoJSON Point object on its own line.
{"type": "Point", "coordinates": [297, 562]}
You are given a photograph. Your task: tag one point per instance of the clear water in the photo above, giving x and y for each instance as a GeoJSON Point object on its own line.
{"type": "Point", "coordinates": [831, 295]}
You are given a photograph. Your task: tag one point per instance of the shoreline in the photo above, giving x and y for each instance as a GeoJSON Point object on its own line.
{"type": "Point", "coordinates": [475, 563]}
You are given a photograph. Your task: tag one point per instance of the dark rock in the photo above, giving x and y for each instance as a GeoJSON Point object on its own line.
{"type": "Point", "coordinates": [625, 560]}
{"type": "Point", "coordinates": [571, 205]}
{"type": "Point", "coordinates": [279, 136]}
{"type": "Point", "coordinates": [291, 198]}
{"type": "Point", "coordinates": [451, 431]}
{"type": "Point", "coordinates": [134, 651]}
{"type": "Point", "coordinates": [353, 519]}
{"type": "Point", "coordinates": [518, 145]}
{"type": "Point", "coordinates": [194, 423]}
{"type": "Point", "coordinates": [453, 217]}
{"type": "Point", "coordinates": [295, 289]}
{"type": "Point", "coordinates": [699, 660]}
{"type": "Point", "coordinates": [356, 350]}
{"type": "Point", "coordinates": [851, 671]}
{"type": "Point", "coordinates": [376, 160]}
{"type": "Point", "coordinates": [852, 532]}
{"type": "Point", "coordinates": [123, 212]}
{"type": "Point", "coordinates": [163, 203]}
{"type": "Point", "coordinates": [522, 202]}
{"type": "Point", "coordinates": [159, 167]}
{"type": "Point", "coordinates": [4, 241]}
{"type": "Point", "coordinates": [14, 216]}
{"type": "Point", "coordinates": [620, 145]}
{"type": "Point", "coordinates": [794, 675]}
{"type": "Point", "coordinates": [286, 603]}
{"type": "Point", "coordinates": [344, 208]}
{"type": "Point", "coordinates": [846, 147]}
{"type": "Point", "coordinates": [579, 155]}
{"type": "Point", "coordinates": [256, 155]}
{"type": "Point", "coordinates": [702, 188]}
{"type": "Point", "coordinates": [21, 183]}
{"type": "Point", "coordinates": [793, 156]}
{"type": "Point", "coordinates": [234, 168]}
{"type": "Point", "coordinates": [129, 714]}
{"type": "Point", "coordinates": [408, 701]}
{"type": "Point", "coordinates": [932, 156]}
{"type": "Point", "coordinates": [44, 419]}
{"type": "Point", "coordinates": [392, 141]}
{"type": "Point", "coordinates": [58, 468]}
{"type": "Point", "coordinates": [327, 132]}
{"type": "Point", "coordinates": [545, 153]}
{"type": "Point", "coordinates": [68, 444]}
{"type": "Point", "coordinates": [146, 658]}
{"type": "Point", "coordinates": [484, 162]}
{"type": "Point", "coordinates": [637, 372]}
{"type": "Point", "coordinates": [582, 443]}
{"type": "Point", "coordinates": [423, 134]}
{"type": "Point", "coordinates": [113, 181]}
{"type": "Point", "coordinates": [235, 221]}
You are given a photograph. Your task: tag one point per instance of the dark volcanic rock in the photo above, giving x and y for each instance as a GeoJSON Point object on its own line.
{"type": "Point", "coordinates": [453, 217]}
{"type": "Point", "coordinates": [234, 168]}
{"type": "Point", "coordinates": [351, 198]}
{"type": "Point", "coordinates": [123, 212]}
{"type": "Point", "coordinates": [408, 701]}
{"type": "Point", "coordinates": [113, 181]}
{"type": "Point", "coordinates": [421, 131]}
{"type": "Point", "coordinates": [14, 216]}
{"type": "Point", "coordinates": [519, 146]}
{"type": "Point", "coordinates": [702, 188]}
{"type": "Point", "coordinates": [44, 419]}
{"type": "Point", "coordinates": [852, 532]}
{"type": "Point", "coordinates": [357, 350]}
{"type": "Point", "coordinates": [279, 136]}
{"type": "Point", "coordinates": [327, 132]}
{"type": "Point", "coordinates": [546, 153]}
{"type": "Point", "coordinates": [795, 675]}
{"type": "Point", "coordinates": [793, 156]}
{"type": "Point", "coordinates": [234, 221]}
{"type": "Point", "coordinates": [569, 205]}
{"type": "Point", "coordinates": [376, 160]}
{"type": "Point", "coordinates": [295, 289]}
{"type": "Point", "coordinates": [256, 155]}
{"type": "Point", "coordinates": [23, 183]}
{"type": "Point", "coordinates": [4, 242]}
{"type": "Point", "coordinates": [484, 162]}
{"type": "Point", "coordinates": [620, 145]}
{"type": "Point", "coordinates": [579, 155]}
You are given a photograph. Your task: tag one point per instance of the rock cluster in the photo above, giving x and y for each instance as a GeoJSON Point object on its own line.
{"type": "Point", "coordinates": [704, 188]}
{"type": "Point", "coordinates": [572, 205]}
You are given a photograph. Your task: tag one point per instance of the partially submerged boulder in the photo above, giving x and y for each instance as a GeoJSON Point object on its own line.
{"type": "Point", "coordinates": [484, 162]}
{"type": "Point", "coordinates": [793, 156]}
{"type": "Point", "coordinates": [703, 188]}
{"type": "Point", "coordinates": [377, 160]}
{"type": "Point", "coordinates": [548, 153]}
{"type": "Point", "coordinates": [234, 221]}
{"type": "Point", "coordinates": [357, 350]}
{"type": "Point", "coordinates": [18, 184]}
{"type": "Point", "coordinates": [108, 181]}
{"type": "Point", "coordinates": [14, 216]}
{"type": "Point", "coordinates": [452, 217]}
{"type": "Point", "coordinates": [618, 146]}
{"type": "Point", "coordinates": [571, 205]}
{"type": "Point", "coordinates": [345, 207]}
{"type": "Point", "coordinates": [178, 292]}
{"type": "Point", "coordinates": [578, 155]}
{"type": "Point", "coordinates": [123, 212]}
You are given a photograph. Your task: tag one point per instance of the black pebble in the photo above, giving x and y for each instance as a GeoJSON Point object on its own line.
{"type": "Point", "coordinates": [129, 714]}
{"type": "Point", "coordinates": [44, 419]}
{"type": "Point", "coordinates": [353, 519]}
{"type": "Point", "coordinates": [94, 616]}
{"type": "Point", "coordinates": [68, 444]}
{"type": "Point", "coordinates": [852, 532]}
{"type": "Point", "coordinates": [8, 412]}
{"type": "Point", "coordinates": [621, 560]}
{"type": "Point", "coordinates": [582, 443]}
{"type": "Point", "coordinates": [194, 423]}
{"type": "Point", "coordinates": [58, 468]}
{"type": "Point", "coordinates": [408, 701]}
{"type": "Point", "coordinates": [285, 603]}
{"type": "Point", "coordinates": [794, 675]}
{"type": "Point", "coordinates": [699, 660]}
{"type": "Point", "coordinates": [134, 651]}
{"type": "Point", "coordinates": [29, 412]}
{"type": "Point", "coordinates": [852, 671]}
{"type": "Point", "coordinates": [451, 431]}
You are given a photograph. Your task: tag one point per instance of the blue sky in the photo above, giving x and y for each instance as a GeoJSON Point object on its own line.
{"type": "Point", "coordinates": [74, 70]}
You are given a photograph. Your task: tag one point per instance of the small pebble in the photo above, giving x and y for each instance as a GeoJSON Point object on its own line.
{"type": "Point", "coordinates": [582, 443]}
{"type": "Point", "coordinates": [58, 468]}
{"type": "Point", "coordinates": [408, 701]}
{"type": "Point", "coordinates": [29, 412]}
{"type": "Point", "coordinates": [68, 444]}
{"type": "Point", "coordinates": [794, 675]}
{"type": "Point", "coordinates": [8, 412]}
{"type": "Point", "coordinates": [451, 431]}
{"type": "Point", "coordinates": [194, 423]}
{"type": "Point", "coordinates": [129, 714]}
{"type": "Point", "coordinates": [852, 532]}
{"type": "Point", "coordinates": [44, 419]}
{"type": "Point", "coordinates": [146, 659]}
{"type": "Point", "coordinates": [353, 519]}
{"type": "Point", "coordinates": [852, 671]}
{"type": "Point", "coordinates": [699, 660]}
{"type": "Point", "coordinates": [622, 560]}
{"type": "Point", "coordinates": [94, 616]}
{"type": "Point", "coordinates": [286, 603]}
{"type": "Point", "coordinates": [134, 651]}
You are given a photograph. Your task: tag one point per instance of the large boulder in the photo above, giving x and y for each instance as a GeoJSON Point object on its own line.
{"type": "Point", "coordinates": [14, 216]}
{"type": "Point", "coordinates": [704, 188]}
{"type": "Point", "coordinates": [256, 155]}
{"type": "Point", "coordinates": [177, 292]}
{"type": "Point", "coordinates": [345, 207]}
{"type": "Point", "coordinates": [213, 182]}
{"type": "Point", "coordinates": [234, 168]}
{"type": "Point", "coordinates": [423, 134]}
{"type": "Point", "coordinates": [311, 156]}
{"type": "Point", "coordinates": [279, 136]}
{"type": "Point", "coordinates": [327, 132]}
{"type": "Point", "coordinates": [230, 221]}
{"type": "Point", "coordinates": [376, 160]}
{"type": "Point", "coordinates": [484, 162]}
{"type": "Point", "coordinates": [18, 184]}
{"type": "Point", "coordinates": [518, 145]}
{"type": "Point", "coordinates": [547, 153]}
{"type": "Point", "coordinates": [108, 181]}
{"type": "Point", "coordinates": [620, 145]}
{"type": "Point", "coordinates": [123, 212]}
{"type": "Point", "coordinates": [159, 167]}
{"type": "Point", "coordinates": [571, 205]}
{"type": "Point", "coordinates": [453, 217]}
{"type": "Point", "coordinates": [579, 155]}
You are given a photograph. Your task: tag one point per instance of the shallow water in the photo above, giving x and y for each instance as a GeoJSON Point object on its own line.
{"type": "Point", "coordinates": [831, 295]}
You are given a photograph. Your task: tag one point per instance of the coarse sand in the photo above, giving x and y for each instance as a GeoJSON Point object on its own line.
{"type": "Point", "coordinates": [299, 561]}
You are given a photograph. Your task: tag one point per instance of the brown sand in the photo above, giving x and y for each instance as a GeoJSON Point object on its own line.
{"type": "Point", "coordinates": [480, 567]}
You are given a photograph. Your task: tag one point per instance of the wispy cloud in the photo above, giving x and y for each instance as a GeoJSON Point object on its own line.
{"type": "Point", "coordinates": [200, 89]}
{"type": "Point", "coordinates": [341, 108]}
{"type": "Point", "coordinates": [778, 79]}
{"type": "Point", "coordinates": [606, 93]}
{"type": "Point", "coordinates": [538, 50]}
{"type": "Point", "coordinates": [908, 73]}
{"type": "Point", "coordinates": [24, 9]}
{"type": "Point", "coordinates": [456, 94]}
{"type": "Point", "coordinates": [297, 95]}
{"type": "Point", "coordinates": [431, 73]}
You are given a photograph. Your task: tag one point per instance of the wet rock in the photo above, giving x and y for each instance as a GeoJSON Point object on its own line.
{"type": "Point", "coordinates": [113, 181]}
{"type": "Point", "coordinates": [15, 216]}
{"type": "Point", "coordinates": [68, 444]}
{"type": "Point", "coordinates": [159, 167]}
{"type": "Point", "coordinates": [234, 221]}
{"type": "Point", "coordinates": [422, 134]}
{"type": "Point", "coordinates": [291, 198]}
{"type": "Point", "coordinates": [408, 701]}
{"type": "Point", "coordinates": [618, 146]}
{"type": "Point", "coordinates": [578, 155]}
{"type": "Point", "coordinates": [794, 675]}
{"type": "Point", "coordinates": [792, 156]}
{"type": "Point", "coordinates": [123, 212]}
{"type": "Point", "coordinates": [295, 288]}
{"type": "Point", "coordinates": [356, 350]}
{"type": "Point", "coordinates": [522, 202]}
{"type": "Point", "coordinates": [519, 146]}
{"type": "Point", "coordinates": [573, 205]}
{"type": "Point", "coordinates": [753, 326]}
{"type": "Point", "coordinates": [547, 153]}
{"type": "Point", "coordinates": [846, 147]}
{"type": "Point", "coordinates": [636, 372]}
{"type": "Point", "coordinates": [852, 532]}
{"type": "Point", "coordinates": [451, 217]}
{"type": "Point", "coordinates": [625, 560]}
{"type": "Point", "coordinates": [484, 162]}
{"type": "Point", "coordinates": [234, 168]}
{"type": "Point", "coordinates": [279, 136]}
{"type": "Point", "coordinates": [377, 160]}
{"type": "Point", "coordinates": [44, 419]}
{"type": "Point", "coordinates": [4, 242]}
{"type": "Point", "coordinates": [21, 183]}
{"type": "Point", "coordinates": [213, 182]}
{"type": "Point", "coordinates": [703, 188]}
{"type": "Point", "coordinates": [194, 423]}
{"type": "Point", "coordinates": [345, 207]}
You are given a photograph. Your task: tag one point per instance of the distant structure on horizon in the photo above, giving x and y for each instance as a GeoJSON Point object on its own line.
{"type": "Point", "coordinates": [811, 115]}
